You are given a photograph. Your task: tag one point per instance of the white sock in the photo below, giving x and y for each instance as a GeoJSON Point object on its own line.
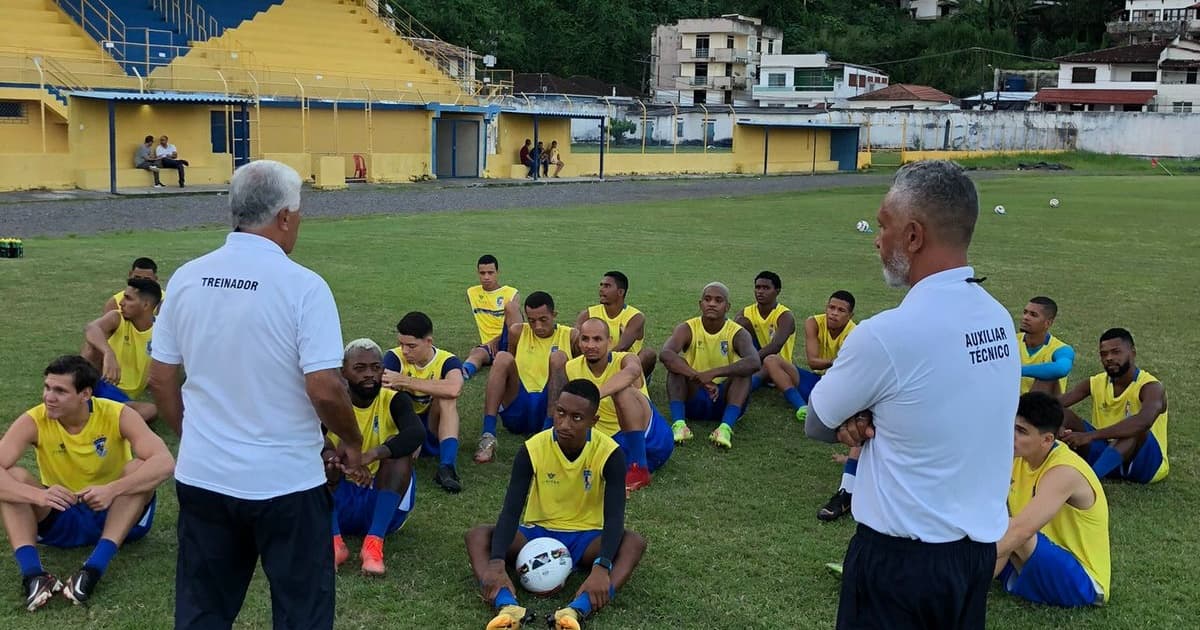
{"type": "Point", "coordinates": [847, 483]}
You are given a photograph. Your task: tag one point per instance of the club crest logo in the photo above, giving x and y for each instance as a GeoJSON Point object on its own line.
{"type": "Point", "coordinates": [587, 479]}
{"type": "Point", "coordinates": [499, 300]}
{"type": "Point", "coordinates": [375, 425]}
{"type": "Point", "coordinates": [724, 347]}
{"type": "Point", "coordinates": [101, 445]}
{"type": "Point", "coordinates": [148, 341]}
{"type": "Point", "coordinates": [553, 349]}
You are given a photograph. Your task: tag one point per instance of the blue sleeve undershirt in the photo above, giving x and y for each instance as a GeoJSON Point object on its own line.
{"type": "Point", "coordinates": [1059, 366]}
{"type": "Point", "coordinates": [391, 361]}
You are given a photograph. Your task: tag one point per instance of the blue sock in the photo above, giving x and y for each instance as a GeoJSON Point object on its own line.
{"type": "Point", "coordinates": [1108, 461]}
{"type": "Point", "coordinates": [636, 442]}
{"type": "Point", "coordinates": [584, 604]}
{"type": "Point", "coordinates": [489, 424]}
{"type": "Point", "coordinates": [28, 560]}
{"type": "Point", "coordinates": [756, 382]}
{"type": "Point", "coordinates": [448, 451]}
{"type": "Point", "coordinates": [101, 555]}
{"type": "Point", "coordinates": [504, 598]}
{"type": "Point", "coordinates": [678, 410]}
{"type": "Point", "coordinates": [336, 527]}
{"type": "Point", "coordinates": [469, 370]}
{"type": "Point", "coordinates": [793, 396]}
{"type": "Point", "coordinates": [386, 503]}
{"type": "Point", "coordinates": [731, 415]}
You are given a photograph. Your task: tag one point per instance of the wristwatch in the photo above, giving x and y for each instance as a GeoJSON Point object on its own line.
{"type": "Point", "coordinates": [601, 561]}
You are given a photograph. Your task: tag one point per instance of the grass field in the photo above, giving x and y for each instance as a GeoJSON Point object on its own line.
{"type": "Point", "coordinates": [734, 542]}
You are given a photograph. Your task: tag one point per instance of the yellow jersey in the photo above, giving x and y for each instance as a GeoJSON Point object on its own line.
{"type": "Point", "coordinates": [132, 347]}
{"type": "Point", "coordinates": [578, 368]}
{"type": "Point", "coordinates": [375, 423]}
{"type": "Point", "coordinates": [708, 351]}
{"type": "Point", "coordinates": [95, 456]}
{"type": "Point", "coordinates": [1084, 533]}
{"type": "Point", "coordinates": [1043, 354]}
{"type": "Point", "coordinates": [830, 345]}
{"type": "Point", "coordinates": [616, 325]}
{"type": "Point", "coordinates": [533, 355]}
{"type": "Point", "coordinates": [437, 368]}
{"type": "Point", "coordinates": [567, 495]}
{"type": "Point", "coordinates": [488, 308]}
{"type": "Point", "coordinates": [1108, 410]}
{"type": "Point", "coordinates": [120, 295]}
{"type": "Point", "coordinates": [765, 327]}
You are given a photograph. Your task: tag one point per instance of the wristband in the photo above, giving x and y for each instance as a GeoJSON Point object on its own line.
{"type": "Point", "coordinates": [601, 561]}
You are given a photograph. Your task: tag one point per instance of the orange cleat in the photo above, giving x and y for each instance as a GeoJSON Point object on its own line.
{"type": "Point", "coordinates": [372, 556]}
{"type": "Point", "coordinates": [341, 553]}
{"type": "Point", "coordinates": [636, 478]}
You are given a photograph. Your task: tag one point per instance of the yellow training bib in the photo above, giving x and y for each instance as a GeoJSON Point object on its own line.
{"type": "Point", "coordinates": [95, 456]}
{"type": "Point", "coordinates": [567, 495]}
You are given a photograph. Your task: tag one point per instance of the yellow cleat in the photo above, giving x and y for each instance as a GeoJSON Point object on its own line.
{"type": "Point", "coordinates": [566, 619]}
{"type": "Point", "coordinates": [722, 436]}
{"type": "Point", "coordinates": [510, 618]}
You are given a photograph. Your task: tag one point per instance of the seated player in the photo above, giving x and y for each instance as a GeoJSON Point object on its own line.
{"type": "Point", "coordinates": [710, 361]}
{"type": "Point", "coordinates": [1127, 438]}
{"type": "Point", "coordinates": [118, 343]}
{"type": "Point", "coordinates": [824, 335]}
{"type": "Point", "coordinates": [566, 484]}
{"type": "Point", "coordinates": [1056, 548]}
{"type": "Point", "coordinates": [496, 310]}
{"type": "Point", "coordinates": [434, 379]}
{"type": "Point", "coordinates": [626, 324]}
{"type": "Point", "coordinates": [770, 323]}
{"type": "Point", "coordinates": [379, 502]}
{"type": "Point", "coordinates": [1045, 359]}
{"type": "Point", "coordinates": [516, 385]}
{"type": "Point", "coordinates": [144, 268]}
{"type": "Point", "coordinates": [99, 466]}
{"type": "Point", "coordinates": [626, 413]}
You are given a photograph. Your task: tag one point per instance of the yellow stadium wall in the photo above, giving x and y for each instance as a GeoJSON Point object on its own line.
{"type": "Point", "coordinates": [511, 132]}
{"type": "Point", "coordinates": [653, 163]}
{"type": "Point", "coordinates": [27, 171]}
{"type": "Point", "coordinates": [400, 137]}
{"type": "Point", "coordinates": [24, 135]}
{"type": "Point", "coordinates": [917, 156]}
{"type": "Point", "coordinates": [864, 159]}
{"type": "Point", "coordinates": [790, 150]}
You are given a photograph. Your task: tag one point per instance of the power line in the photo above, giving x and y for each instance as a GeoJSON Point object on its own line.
{"type": "Point", "coordinates": [960, 51]}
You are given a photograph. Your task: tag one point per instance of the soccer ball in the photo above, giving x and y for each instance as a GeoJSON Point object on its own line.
{"type": "Point", "coordinates": [999, 210]}
{"type": "Point", "coordinates": [543, 566]}
{"type": "Point", "coordinates": [862, 226]}
{"type": "Point", "coordinates": [1054, 202]}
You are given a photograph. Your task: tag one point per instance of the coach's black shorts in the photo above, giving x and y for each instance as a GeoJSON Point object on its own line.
{"type": "Point", "coordinates": [899, 583]}
{"type": "Point", "coordinates": [221, 539]}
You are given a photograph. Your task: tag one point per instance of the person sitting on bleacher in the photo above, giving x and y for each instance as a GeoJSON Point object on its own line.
{"type": "Point", "coordinates": [145, 159]}
{"type": "Point", "coordinates": [168, 157]}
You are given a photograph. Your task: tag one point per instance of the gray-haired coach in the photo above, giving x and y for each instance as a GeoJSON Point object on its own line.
{"type": "Point", "coordinates": [260, 340]}
{"type": "Point", "coordinates": [930, 389]}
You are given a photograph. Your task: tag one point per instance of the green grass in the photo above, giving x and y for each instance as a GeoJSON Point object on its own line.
{"type": "Point", "coordinates": [734, 542]}
{"type": "Point", "coordinates": [1088, 163]}
{"type": "Point", "coordinates": [635, 146]}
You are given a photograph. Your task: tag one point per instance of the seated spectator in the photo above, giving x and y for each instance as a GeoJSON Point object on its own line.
{"type": "Point", "coordinates": [554, 159]}
{"type": "Point", "coordinates": [168, 157]}
{"type": "Point", "coordinates": [145, 159]}
{"type": "Point", "coordinates": [541, 158]}
{"type": "Point", "coordinates": [527, 157]}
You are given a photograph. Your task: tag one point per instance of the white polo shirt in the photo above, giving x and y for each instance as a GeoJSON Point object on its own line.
{"type": "Point", "coordinates": [942, 375]}
{"type": "Point", "coordinates": [162, 152]}
{"type": "Point", "coordinates": [247, 323]}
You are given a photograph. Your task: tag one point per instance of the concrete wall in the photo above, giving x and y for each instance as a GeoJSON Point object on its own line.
{"type": "Point", "coordinates": [24, 135]}
{"type": "Point", "coordinates": [346, 132]}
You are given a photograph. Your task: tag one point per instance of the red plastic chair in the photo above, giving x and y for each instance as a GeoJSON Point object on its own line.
{"type": "Point", "coordinates": [360, 167]}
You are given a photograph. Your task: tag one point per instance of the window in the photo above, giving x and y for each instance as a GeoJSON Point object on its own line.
{"type": "Point", "coordinates": [11, 110]}
{"type": "Point", "coordinates": [758, 46]}
{"type": "Point", "coordinates": [776, 79]}
{"type": "Point", "coordinates": [729, 98]}
{"type": "Point", "coordinates": [770, 47]}
{"type": "Point", "coordinates": [678, 127]}
{"type": "Point", "coordinates": [1181, 107]}
{"type": "Point", "coordinates": [699, 97]}
{"type": "Point", "coordinates": [701, 76]}
{"type": "Point", "coordinates": [815, 79]}
{"type": "Point", "coordinates": [1191, 77]}
{"type": "Point", "coordinates": [1177, 15]}
{"type": "Point", "coordinates": [702, 45]}
{"type": "Point", "coordinates": [729, 41]}
{"type": "Point", "coordinates": [1143, 76]}
{"type": "Point", "coordinates": [728, 69]}
{"type": "Point", "coordinates": [1083, 75]}
{"type": "Point", "coordinates": [710, 132]}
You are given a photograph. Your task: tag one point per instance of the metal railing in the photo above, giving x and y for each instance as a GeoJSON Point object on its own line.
{"type": "Point", "coordinates": [193, 22]}
{"type": "Point", "coordinates": [98, 21]}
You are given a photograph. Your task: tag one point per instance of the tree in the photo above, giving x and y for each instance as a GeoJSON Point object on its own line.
{"type": "Point", "coordinates": [618, 127]}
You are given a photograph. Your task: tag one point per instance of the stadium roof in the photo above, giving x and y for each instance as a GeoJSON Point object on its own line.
{"type": "Point", "coordinates": [159, 97]}
{"type": "Point", "coordinates": [1132, 53]}
{"type": "Point", "coordinates": [796, 125]}
{"type": "Point", "coordinates": [905, 92]}
{"type": "Point", "coordinates": [1067, 96]}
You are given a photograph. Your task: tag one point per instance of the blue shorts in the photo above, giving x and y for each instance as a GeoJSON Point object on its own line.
{"type": "Point", "coordinates": [1052, 576]}
{"type": "Point", "coordinates": [701, 407]}
{"type": "Point", "coordinates": [526, 414]}
{"type": "Point", "coordinates": [808, 380]}
{"type": "Point", "coordinates": [108, 391]}
{"type": "Point", "coordinates": [1141, 469]}
{"type": "Point", "coordinates": [575, 542]}
{"type": "Point", "coordinates": [81, 526]}
{"type": "Point", "coordinates": [659, 441]}
{"type": "Point", "coordinates": [355, 507]}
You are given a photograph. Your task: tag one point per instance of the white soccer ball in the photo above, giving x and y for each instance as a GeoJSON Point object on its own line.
{"type": "Point", "coordinates": [543, 566]}
{"type": "Point", "coordinates": [862, 226]}
{"type": "Point", "coordinates": [1054, 202]}
{"type": "Point", "coordinates": [999, 210]}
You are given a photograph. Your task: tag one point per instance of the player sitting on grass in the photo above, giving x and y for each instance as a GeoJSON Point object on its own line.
{"type": "Point", "coordinates": [144, 268]}
{"type": "Point", "coordinates": [626, 324]}
{"type": "Point", "coordinates": [566, 484]}
{"type": "Point", "coordinates": [100, 465]}
{"type": "Point", "coordinates": [516, 385]}
{"type": "Point", "coordinates": [824, 335]}
{"type": "Point", "coordinates": [1045, 359]}
{"type": "Point", "coordinates": [626, 413]}
{"type": "Point", "coordinates": [770, 323]}
{"type": "Point", "coordinates": [710, 360]}
{"type": "Point", "coordinates": [496, 308]}
{"type": "Point", "coordinates": [434, 379]}
{"type": "Point", "coordinates": [118, 344]}
{"type": "Point", "coordinates": [376, 500]}
{"type": "Point", "coordinates": [1056, 548]}
{"type": "Point", "coordinates": [1127, 438]}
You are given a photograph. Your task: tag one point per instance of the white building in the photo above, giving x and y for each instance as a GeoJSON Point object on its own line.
{"type": "Point", "coordinates": [710, 61]}
{"type": "Point", "coordinates": [929, 9]}
{"type": "Point", "coordinates": [1159, 76]}
{"type": "Point", "coordinates": [812, 81]}
{"type": "Point", "coordinates": [1151, 20]}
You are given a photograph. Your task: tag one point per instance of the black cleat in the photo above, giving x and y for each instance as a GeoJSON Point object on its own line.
{"type": "Point", "coordinates": [39, 589]}
{"type": "Point", "coordinates": [447, 478]}
{"type": "Point", "coordinates": [79, 587]}
{"type": "Point", "coordinates": [837, 507]}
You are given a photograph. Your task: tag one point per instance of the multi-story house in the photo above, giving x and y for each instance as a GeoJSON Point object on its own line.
{"type": "Point", "coordinates": [812, 80]}
{"type": "Point", "coordinates": [1153, 20]}
{"type": "Point", "coordinates": [710, 60]}
{"type": "Point", "coordinates": [1157, 76]}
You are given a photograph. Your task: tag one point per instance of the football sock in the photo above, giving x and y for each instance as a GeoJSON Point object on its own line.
{"type": "Point", "coordinates": [489, 424]}
{"type": "Point", "coordinates": [1108, 461]}
{"type": "Point", "coordinates": [28, 560]}
{"type": "Point", "coordinates": [756, 382]}
{"type": "Point", "coordinates": [448, 451]}
{"type": "Point", "coordinates": [848, 475]}
{"type": "Point", "coordinates": [469, 370]}
{"type": "Point", "coordinates": [101, 555]}
{"type": "Point", "coordinates": [335, 526]}
{"type": "Point", "coordinates": [505, 598]}
{"type": "Point", "coordinates": [678, 410]}
{"type": "Point", "coordinates": [635, 441]}
{"type": "Point", "coordinates": [731, 415]}
{"type": "Point", "coordinates": [584, 604]}
{"type": "Point", "coordinates": [794, 398]}
{"type": "Point", "coordinates": [386, 502]}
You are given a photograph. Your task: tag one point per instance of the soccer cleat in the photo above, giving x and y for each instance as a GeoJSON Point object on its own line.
{"type": "Point", "coordinates": [485, 453]}
{"type": "Point", "coordinates": [564, 619]}
{"type": "Point", "coordinates": [636, 478]}
{"type": "Point", "coordinates": [341, 553]}
{"type": "Point", "coordinates": [79, 587]}
{"type": "Point", "coordinates": [834, 568]}
{"type": "Point", "coordinates": [802, 413]}
{"type": "Point", "coordinates": [372, 556]}
{"type": "Point", "coordinates": [680, 431]}
{"type": "Point", "coordinates": [510, 618]}
{"type": "Point", "coordinates": [447, 478]}
{"type": "Point", "coordinates": [837, 507]}
{"type": "Point", "coordinates": [39, 589]}
{"type": "Point", "coordinates": [722, 436]}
